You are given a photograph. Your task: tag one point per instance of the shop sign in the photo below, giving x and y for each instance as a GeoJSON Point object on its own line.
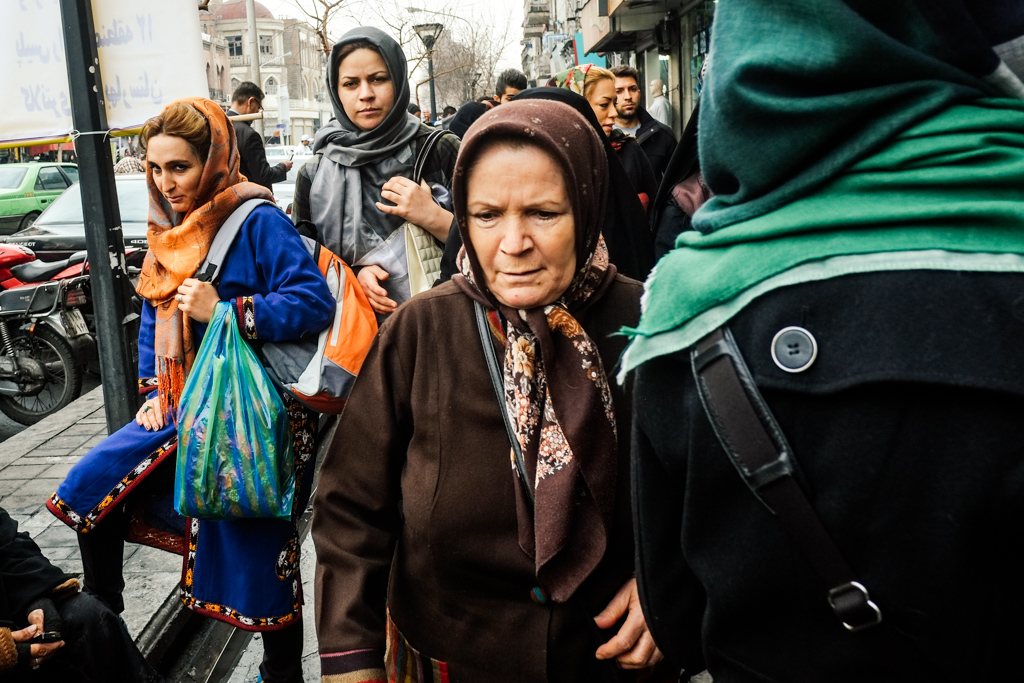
{"type": "Point", "coordinates": [150, 53]}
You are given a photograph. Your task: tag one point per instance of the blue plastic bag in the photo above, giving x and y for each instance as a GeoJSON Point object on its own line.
{"type": "Point", "coordinates": [235, 449]}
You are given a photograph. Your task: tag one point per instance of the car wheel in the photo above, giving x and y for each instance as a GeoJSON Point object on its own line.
{"type": "Point", "coordinates": [28, 220]}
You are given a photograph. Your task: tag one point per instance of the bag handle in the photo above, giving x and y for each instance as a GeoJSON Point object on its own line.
{"type": "Point", "coordinates": [425, 151]}
{"type": "Point", "coordinates": [498, 383]}
{"type": "Point", "coordinates": [757, 448]}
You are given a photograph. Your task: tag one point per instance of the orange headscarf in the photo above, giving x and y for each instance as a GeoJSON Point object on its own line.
{"type": "Point", "coordinates": [176, 252]}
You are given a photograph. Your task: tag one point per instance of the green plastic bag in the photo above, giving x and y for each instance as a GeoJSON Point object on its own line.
{"type": "Point", "coordinates": [235, 449]}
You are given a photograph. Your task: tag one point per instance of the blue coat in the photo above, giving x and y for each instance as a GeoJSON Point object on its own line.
{"type": "Point", "coordinates": [244, 572]}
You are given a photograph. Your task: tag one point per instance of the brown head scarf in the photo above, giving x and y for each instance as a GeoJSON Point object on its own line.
{"type": "Point", "coordinates": [555, 384]}
{"type": "Point", "coordinates": [177, 251]}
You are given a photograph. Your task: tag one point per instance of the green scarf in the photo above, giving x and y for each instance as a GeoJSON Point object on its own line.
{"type": "Point", "coordinates": [836, 141]}
{"type": "Point", "coordinates": [954, 183]}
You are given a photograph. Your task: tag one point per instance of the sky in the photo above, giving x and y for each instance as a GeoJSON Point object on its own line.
{"type": "Point", "coordinates": [495, 12]}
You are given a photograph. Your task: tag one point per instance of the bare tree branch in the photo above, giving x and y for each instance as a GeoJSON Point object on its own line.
{"type": "Point", "coordinates": [321, 12]}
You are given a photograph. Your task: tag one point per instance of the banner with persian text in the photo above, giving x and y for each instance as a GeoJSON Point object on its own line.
{"type": "Point", "coordinates": [150, 52]}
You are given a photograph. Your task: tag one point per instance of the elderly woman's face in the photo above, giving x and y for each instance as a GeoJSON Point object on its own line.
{"type": "Point", "coordinates": [365, 88]}
{"type": "Point", "coordinates": [521, 225]}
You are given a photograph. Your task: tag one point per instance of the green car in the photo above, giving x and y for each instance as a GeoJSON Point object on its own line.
{"type": "Point", "coordinates": [27, 189]}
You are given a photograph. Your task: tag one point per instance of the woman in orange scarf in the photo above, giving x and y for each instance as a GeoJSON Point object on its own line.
{"type": "Point", "coordinates": [244, 572]}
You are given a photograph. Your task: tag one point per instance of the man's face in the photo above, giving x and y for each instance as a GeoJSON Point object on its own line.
{"type": "Point", "coordinates": [250, 106]}
{"type": "Point", "coordinates": [508, 95]}
{"type": "Point", "coordinates": [627, 97]}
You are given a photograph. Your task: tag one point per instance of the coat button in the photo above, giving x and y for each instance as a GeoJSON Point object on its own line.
{"type": "Point", "coordinates": [794, 349]}
{"type": "Point", "coordinates": [538, 595]}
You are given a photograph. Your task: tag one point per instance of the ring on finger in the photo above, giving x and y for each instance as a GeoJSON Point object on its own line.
{"type": "Point", "coordinates": [179, 297]}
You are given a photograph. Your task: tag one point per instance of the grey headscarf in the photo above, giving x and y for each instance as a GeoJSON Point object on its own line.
{"type": "Point", "coordinates": [356, 163]}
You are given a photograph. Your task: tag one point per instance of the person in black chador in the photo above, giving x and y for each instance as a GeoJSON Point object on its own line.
{"type": "Point", "coordinates": [35, 598]}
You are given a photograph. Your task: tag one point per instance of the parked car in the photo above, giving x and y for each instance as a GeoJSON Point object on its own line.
{"type": "Point", "coordinates": [29, 188]}
{"type": "Point", "coordinates": [60, 230]}
{"type": "Point", "coordinates": [284, 191]}
{"type": "Point", "coordinates": [278, 153]}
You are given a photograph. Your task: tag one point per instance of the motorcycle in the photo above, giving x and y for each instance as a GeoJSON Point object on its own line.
{"type": "Point", "coordinates": [44, 339]}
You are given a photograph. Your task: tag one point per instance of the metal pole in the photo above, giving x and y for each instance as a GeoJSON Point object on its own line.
{"type": "Point", "coordinates": [433, 98]}
{"type": "Point", "coordinates": [254, 53]}
{"type": "Point", "coordinates": [116, 330]}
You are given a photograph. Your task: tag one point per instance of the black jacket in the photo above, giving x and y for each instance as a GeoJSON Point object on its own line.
{"type": "Point", "coordinates": [253, 157]}
{"type": "Point", "coordinates": [638, 168]}
{"type": "Point", "coordinates": [656, 140]}
{"type": "Point", "coordinates": [908, 440]}
{"type": "Point", "coordinates": [25, 575]}
{"type": "Point", "coordinates": [667, 219]}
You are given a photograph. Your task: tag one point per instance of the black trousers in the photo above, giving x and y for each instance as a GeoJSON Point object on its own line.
{"type": "Point", "coordinates": [103, 560]}
{"type": "Point", "coordinates": [96, 648]}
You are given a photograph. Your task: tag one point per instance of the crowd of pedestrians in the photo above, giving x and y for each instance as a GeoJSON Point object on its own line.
{"type": "Point", "coordinates": [746, 403]}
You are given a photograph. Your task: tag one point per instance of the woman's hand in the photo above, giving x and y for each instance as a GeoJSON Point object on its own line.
{"type": "Point", "coordinates": [150, 416]}
{"type": "Point", "coordinates": [369, 279]}
{"type": "Point", "coordinates": [633, 646]}
{"type": "Point", "coordinates": [39, 652]}
{"type": "Point", "coordinates": [197, 299]}
{"type": "Point", "coordinates": [415, 204]}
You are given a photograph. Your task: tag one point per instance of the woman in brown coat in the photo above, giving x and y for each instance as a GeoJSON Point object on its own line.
{"type": "Point", "coordinates": [465, 559]}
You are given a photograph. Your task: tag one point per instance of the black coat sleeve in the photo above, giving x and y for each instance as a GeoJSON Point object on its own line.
{"type": "Point", "coordinates": [25, 574]}
{"type": "Point", "coordinates": [672, 598]}
{"type": "Point", "coordinates": [254, 158]}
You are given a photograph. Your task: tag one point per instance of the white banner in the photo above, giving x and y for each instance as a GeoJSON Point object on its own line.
{"type": "Point", "coordinates": [151, 53]}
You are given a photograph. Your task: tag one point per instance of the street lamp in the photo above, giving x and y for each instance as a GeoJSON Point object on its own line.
{"type": "Point", "coordinates": [429, 33]}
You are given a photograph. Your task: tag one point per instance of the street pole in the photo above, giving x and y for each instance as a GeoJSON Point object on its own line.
{"type": "Point", "coordinates": [254, 53]}
{"type": "Point", "coordinates": [433, 97]}
{"type": "Point", "coordinates": [116, 330]}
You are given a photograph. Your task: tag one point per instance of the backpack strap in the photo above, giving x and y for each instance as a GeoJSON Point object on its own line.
{"type": "Point", "coordinates": [498, 384]}
{"type": "Point", "coordinates": [425, 151]}
{"type": "Point", "coordinates": [224, 238]}
{"type": "Point", "coordinates": [758, 449]}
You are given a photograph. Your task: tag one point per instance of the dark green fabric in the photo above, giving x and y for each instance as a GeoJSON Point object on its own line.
{"type": "Point", "coordinates": [953, 182]}
{"type": "Point", "coordinates": [797, 90]}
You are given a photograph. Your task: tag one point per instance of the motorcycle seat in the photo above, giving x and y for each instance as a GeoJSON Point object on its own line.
{"type": "Point", "coordinates": [41, 271]}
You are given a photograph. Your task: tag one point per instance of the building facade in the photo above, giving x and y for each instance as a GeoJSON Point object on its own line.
{"type": "Point", "coordinates": [665, 40]}
{"type": "Point", "coordinates": [291, 65]}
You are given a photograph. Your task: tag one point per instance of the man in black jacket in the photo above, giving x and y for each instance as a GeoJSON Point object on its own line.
{"type": "Point", "coordinates": [656, 139]}
{"type": "Point", "coordinates": [248, 99]}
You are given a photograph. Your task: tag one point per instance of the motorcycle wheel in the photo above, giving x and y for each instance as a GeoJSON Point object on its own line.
{"type": "Point", "coordinates": [62, 387]}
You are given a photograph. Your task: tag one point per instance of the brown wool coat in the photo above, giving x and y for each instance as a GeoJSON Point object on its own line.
{"type": "Point", "coordinates": [418, 486]}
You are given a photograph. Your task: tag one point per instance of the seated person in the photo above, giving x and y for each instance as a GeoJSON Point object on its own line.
{"type": "Point", "coordinates": [86, 642]}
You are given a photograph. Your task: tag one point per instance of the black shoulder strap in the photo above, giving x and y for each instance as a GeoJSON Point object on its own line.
{"type": "Point", "coordinates": [425, 151]}
{"type": "Point", "coordinates": [760, 453]}
{"type": "Point", "coordinates": [498, 383]}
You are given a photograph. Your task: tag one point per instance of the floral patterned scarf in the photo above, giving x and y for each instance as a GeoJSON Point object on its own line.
{"type": "Point", "coordinates": [572, 79]}
{"type": "Point", "coordinates": [176, 250]}
{"type": "Point", "coordinates": [556, 389]}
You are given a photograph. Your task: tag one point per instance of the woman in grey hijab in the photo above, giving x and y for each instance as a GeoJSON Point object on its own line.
{"type": "Point", "coordinates": [357, 190]}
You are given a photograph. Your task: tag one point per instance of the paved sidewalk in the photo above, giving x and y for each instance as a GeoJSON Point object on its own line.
{"type": "Point", "coordinates": [32, 465]}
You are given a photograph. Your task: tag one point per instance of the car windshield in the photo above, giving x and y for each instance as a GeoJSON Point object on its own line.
{"type": "Point", "coordinates": [132, 198]}
{"type": "Point", "coordinates": [10, 178]}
